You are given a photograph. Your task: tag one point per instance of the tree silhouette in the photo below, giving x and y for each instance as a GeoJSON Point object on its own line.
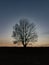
{"type": "Point", "coordinates": [24, 32]}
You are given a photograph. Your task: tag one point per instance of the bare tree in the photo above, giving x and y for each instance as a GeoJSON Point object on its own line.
{"type": "Point", "coordinates": [24, 32]}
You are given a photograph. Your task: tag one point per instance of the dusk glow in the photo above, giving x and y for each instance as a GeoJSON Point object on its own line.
{"type": "Point", "coordinates": [11, 11]}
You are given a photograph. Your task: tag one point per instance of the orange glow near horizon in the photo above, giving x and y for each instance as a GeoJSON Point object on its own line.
{"type": "Point", "coordinates": [42, 41]}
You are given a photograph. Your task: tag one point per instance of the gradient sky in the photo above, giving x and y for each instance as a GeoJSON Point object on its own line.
{"type": "Point", "coordinates": [36, 11]}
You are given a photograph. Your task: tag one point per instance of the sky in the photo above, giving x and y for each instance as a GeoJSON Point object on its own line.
{"type": "Point", "coordinates": [36, 11]}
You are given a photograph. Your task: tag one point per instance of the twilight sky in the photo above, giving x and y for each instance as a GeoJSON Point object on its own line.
{"type": "Point", "coordinates": [36, 11]}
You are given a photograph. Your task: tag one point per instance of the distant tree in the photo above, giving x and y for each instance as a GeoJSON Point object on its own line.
{"type": "Point", "coordinates": [24, 32]}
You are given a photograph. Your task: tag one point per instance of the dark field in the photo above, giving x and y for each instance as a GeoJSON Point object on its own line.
{"type": "Point", "coordinates": [16, 56]}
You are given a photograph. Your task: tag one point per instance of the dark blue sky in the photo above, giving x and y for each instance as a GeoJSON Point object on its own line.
{"type": "Point", "coordinates": [12, 10]}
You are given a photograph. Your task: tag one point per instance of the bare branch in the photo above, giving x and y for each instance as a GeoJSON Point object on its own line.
{"type": "Point", "coordinates": [24, 32]}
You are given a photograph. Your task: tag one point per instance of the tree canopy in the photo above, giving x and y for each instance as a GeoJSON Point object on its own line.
{"type": "Point", "coordinates": [24, 31]}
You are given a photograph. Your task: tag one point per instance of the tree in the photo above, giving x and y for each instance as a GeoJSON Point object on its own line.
{"type": "Point", "coordinates": [24, 32]}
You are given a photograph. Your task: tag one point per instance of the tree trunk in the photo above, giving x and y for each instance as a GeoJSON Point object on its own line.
{"type": "Point", "coordinates": [25, 45]}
